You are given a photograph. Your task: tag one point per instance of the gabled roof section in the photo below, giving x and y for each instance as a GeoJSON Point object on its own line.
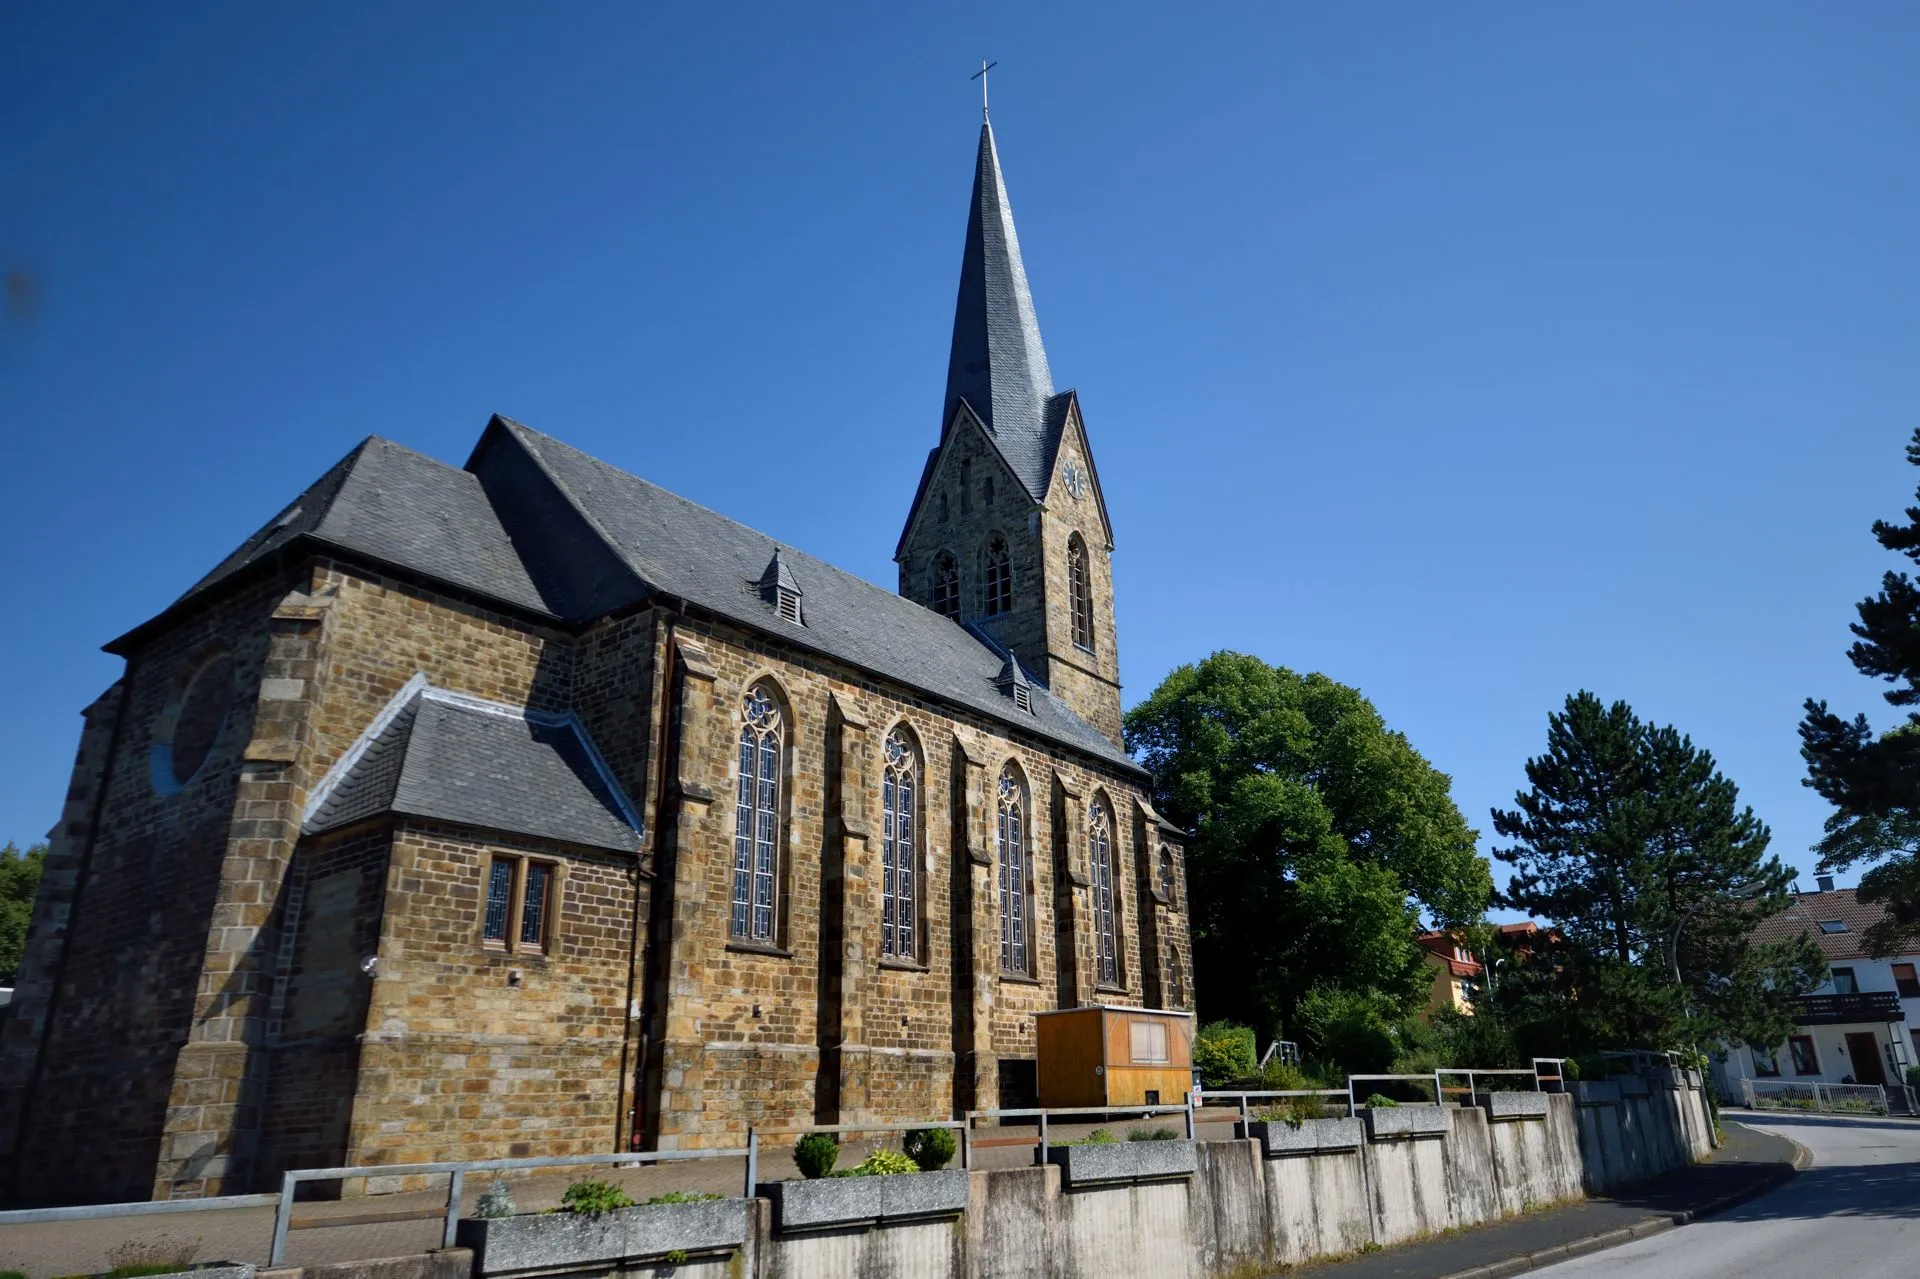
{"type": "Point", "coordinates": [1808, 911]}
{"type": "Point", "coordinates": [401, 508]}
{"type": "Point", "coordinates": [997, 364]}
{"type": "Point", "coordinates": [447, 757]}
{"type": "Point", "coordinates": [683, 549]}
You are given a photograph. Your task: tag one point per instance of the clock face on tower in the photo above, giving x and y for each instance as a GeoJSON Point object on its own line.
{"type": "Point", "coordinates": [1075, 477]}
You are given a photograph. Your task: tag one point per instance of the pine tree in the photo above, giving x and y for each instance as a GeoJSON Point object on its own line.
{"type": "Point", "coordinates": [1873, 780]}
{"type": "Point", "coordinates": [1634, 844]}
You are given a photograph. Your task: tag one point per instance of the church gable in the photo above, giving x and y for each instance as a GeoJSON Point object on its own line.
{"type": "Point", "coordinates": [1073, 489]}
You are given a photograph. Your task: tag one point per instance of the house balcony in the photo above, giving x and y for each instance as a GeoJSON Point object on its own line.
{"type": "Point", "coordinates": [1877, 1007]}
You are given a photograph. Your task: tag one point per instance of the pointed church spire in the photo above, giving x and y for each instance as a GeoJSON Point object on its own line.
{"type": "Point", "coordinates": [997, 364]}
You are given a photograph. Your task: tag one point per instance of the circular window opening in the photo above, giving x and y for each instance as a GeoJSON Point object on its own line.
{"type": "Point", "coordinates": [196, 725]}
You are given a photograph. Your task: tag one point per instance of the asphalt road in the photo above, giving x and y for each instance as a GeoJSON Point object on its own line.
{"type": "Point", "coordinates": [1854, 1215]}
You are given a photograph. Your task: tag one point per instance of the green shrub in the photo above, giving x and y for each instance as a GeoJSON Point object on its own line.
{"type": "Point", "coordinates": [885, 1163]}
{"type": "Point", "coordinates": [1098, 1137]}
{"type": "Point", "coordinates": [591, 1198]}
{"type": "Point", "coordinates": [930, 1148]}
{"type": "Point", "coordinates": [1293, 1111]}
{"type": "Point", "coordinates": [13, 1274]}
{"type": "Point", "coordinates": [1380, 1101]}
{"type": "Point", "coordinates": [816, 1153]}
{"type": "Point", "coordinates": [680, 1197]}
{"type": "Point", "coordinates": [1153, 1134]}
{"type": "Point", "coordinates": [1281, 1076]}
{"type": "Point", "coordinates": [1353, 1030]}
{"type": "Point", "coordinates": [1224, 1053]}
{"type": "Point", "coordinates": [675, 1257]}
{"type": "Point", "coordinates": [1913, 1076]}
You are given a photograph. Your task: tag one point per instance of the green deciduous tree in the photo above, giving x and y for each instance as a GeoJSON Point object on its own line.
{"type": "Point", "coordinates": [1320, 835]}
{"type": "Point", "coordinates": [19, 881]}
{"type": "Point", "coordinates": [1873, 780]}
{"type": "Point", "coordinates": [1634, 844]}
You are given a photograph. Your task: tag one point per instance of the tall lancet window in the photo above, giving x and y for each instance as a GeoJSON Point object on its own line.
{"type": "Point", "coordinates": [1013, 872]}
{"type": "Point", "coordinates": [999, 577]}
{"type": "Point", "coordinates": [1080, 589]}
{"type": "Point", "coordinates": [756, 835]}
{"type": "Point", "coordinates": [946, 585]}
{"type": "Point", "coordinates": [899, 891]}
{"type": "Point", "coordinates": [1106, 960]}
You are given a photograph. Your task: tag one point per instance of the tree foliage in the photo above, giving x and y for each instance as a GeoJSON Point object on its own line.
{"type": "Point", "coordinates": [1873, 780]}
{"type": "Point", "coordinates": [1635, 845]}
{"type": "Point", "coordinates": [1320, 835]}
{"type": "Point", "coordinates": [19, 882]}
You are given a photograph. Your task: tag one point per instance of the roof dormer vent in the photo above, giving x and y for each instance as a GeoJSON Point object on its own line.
{"type": "Point", "coordinates": [1013, 682]}
{"type": "Point", "coordinates": [778, 588]}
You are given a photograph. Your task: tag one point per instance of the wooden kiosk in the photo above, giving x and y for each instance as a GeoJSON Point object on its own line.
{"type": "Point", "coordinates": [1111, 1056]}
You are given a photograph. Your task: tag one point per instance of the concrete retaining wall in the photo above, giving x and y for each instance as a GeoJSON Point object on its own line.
{"type": "Point", "coordinates": [1243, 1212]}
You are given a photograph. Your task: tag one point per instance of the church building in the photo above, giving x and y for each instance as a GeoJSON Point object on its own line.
{"type": "Point", "coordinates": [524, 808]}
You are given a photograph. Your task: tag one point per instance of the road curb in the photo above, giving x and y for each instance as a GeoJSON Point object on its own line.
{"type": "Point", "coordinates": [1802, 1160]}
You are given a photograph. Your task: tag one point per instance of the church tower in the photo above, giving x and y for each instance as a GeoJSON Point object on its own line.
{"type": "Point", "coordinates": [1008, 533]}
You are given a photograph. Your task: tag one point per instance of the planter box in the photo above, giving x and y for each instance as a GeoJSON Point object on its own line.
{"type": "Point", "coordinates": [543, 1241]}
{"type": "Point", "coordinates": [1124, 1161]}
{"type": "Point", "coordinates": [1515, 1105]}
{"type": "Point", "coordinates": [1277, 1137]}
{"type": "Point", "coordinates": [1595, 1092]}
{"type": "Point", "coordinates": [1406, 1121]}
{"type": "Point", "coordinates": [853, 1201]}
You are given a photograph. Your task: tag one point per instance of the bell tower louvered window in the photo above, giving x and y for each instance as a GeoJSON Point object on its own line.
{"type": "Point", "coordinates": [1080, 592]}
{"type": "Point", "coordinates": [899, 857]}
{"type": "Point", "coordinates": [756, 840]}
{"type": "Point", "coordinates": [999, 577]}
{"type": "Point", "coordinates": [946, 586]}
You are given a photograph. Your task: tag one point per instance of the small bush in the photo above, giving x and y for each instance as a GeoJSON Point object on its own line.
{"type": "Point", "coordinates": [1224, 1052]}
{"type": "Point", "coordinates": [816, 1153]}
{"type": "Point", "coordinates": [931, 1148]}
{"type": "Point", "coordinates": [591, 1198]}
{"type": "Point", "coordinates": [496, 1202]}
{"type": "Point", "coordinates": [1153, 1134]}
{"type": "Point", "coordinates": [1913, 1076]}
{"type": "Point", "coordinates": [1098, 1137]}
{"type": "Point", "coordinates": [680, 1197]}
{"type": "Point", "coordinates": [1294, 1111]}
{"type": "Point", "coordinates": [885, 1163]}
{"type": "Point", "coordinates": [13, 1274]}
{"type": "Point", "coordinates": [675, 1257]}
{"type": "Point", "coordinates": [159, 1255]}
{"type": "Point", "coordinates": [1379, 1101]}
{"type": "Point", "coordinates": [1283, 1076]}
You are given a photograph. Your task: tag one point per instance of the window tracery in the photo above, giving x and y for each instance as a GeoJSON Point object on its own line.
{"type": "Point", "coordinates": [1080, 592]}
{"type": "Point", "coordinates": [899, 912]}
{"type": "Point", "coordinates": [1012, 833]}
{"type": "Point", "coordinates": [999, 577]}
{"type": "Point", "coordinates": [756, 840]}
{"type": "Point", "coordinates": [946, 586]}
{"type": "Point", "coordinates": [1100, 857]}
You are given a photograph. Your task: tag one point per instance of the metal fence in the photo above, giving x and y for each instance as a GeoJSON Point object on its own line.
{"type": "Point", "coordinates": [1044, 1113]}
{"type": "Point", "coordinates": [1242, 1101]}
{"type": "Point", "coordinates": [1813, 1095]}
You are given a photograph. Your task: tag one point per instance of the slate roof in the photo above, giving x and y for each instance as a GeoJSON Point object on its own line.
{"type": "Point", "coordinates": [447, 757]}
{"type": "Point", "coordinates": [1810, 910]}
{"type": "Point", "coordinates": [673, 545]}
{"type": "Point", "coordinates": [997, 363]}
{"type": "Point", "coordinates": [393, 505]}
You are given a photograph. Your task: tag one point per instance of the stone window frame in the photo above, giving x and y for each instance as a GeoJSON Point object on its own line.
{"type": "Point", "coordinates": [996, 576]}
{"type": "Point", "coordinates": [1104, 892]}
{"type": "Point", "coordinates": [162, 773]}
{"type": "Point", "coordinates": [944, 581]}
{"type": "Point", "coordinates": [1169, 880]}
{"type": "Point", "coordinates": [775, 693]}
{"type": "Point", "coordinates": [1018, 936]}
{"type": "Point", "coordinates": [514, 942]}
{"type": "Point", "coordinates": [1080, 591]}
{"type": "Point", "coordinates": [892, 862]}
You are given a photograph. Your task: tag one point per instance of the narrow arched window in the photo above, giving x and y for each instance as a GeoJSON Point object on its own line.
{"type": "Point", "coordinates": [756, 835]}
{"type": "Point", "coordinates": [946, 585]}
{"type": "Point", "coordinates": [1080, 592]}
{"type": "Point", "coordinates": [999, 583]}
{"type": "Point", "coordinates": [1106, 959]}
{"type": "Point", "coordinates": [943, 508]}
{"type": "Point", "coordinates": [1166, 875]}
{"type": "Point", "coordinates": [1176, 980]}
{"type": "Point", "coordinates": [966, 486]}
{"type": "Point", "coordinates": [1013, 872]}
{"type": "Point", "coordinates": [899, 857]}
{"type": "Point", "coordinates": [986, 490]}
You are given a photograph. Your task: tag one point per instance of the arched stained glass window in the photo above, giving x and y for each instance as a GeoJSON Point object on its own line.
{"type": "Point", "coordinates": [999, 577]}
{"type": "Point", "coordinates": [900, 792]}
{"type": "Point", "coordinates": [1106, 960]}
{"type": "Point", "coordinates": [1012, 831]}
{"type": "Point", "coordinates": [946, 585]}
{"type": "Point", "coordinates": [756, 837]}
{"type": "Point", "coordinates": [1080, 592]}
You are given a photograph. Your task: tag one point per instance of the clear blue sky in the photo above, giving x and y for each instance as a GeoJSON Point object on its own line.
{"type": "Point", "coordinates": [1471, 354]}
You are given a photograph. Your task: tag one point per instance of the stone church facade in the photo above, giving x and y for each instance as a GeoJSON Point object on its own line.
{"type": "Point", "coordinates": [525, 808]}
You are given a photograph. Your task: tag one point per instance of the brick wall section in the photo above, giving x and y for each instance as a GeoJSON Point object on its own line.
{"type": "Point", "coordinates": [137, 929]}
{"type": "Point", "coordinates": [475, 1052]}
{"type": "Point", "coordinates": [339, 888]}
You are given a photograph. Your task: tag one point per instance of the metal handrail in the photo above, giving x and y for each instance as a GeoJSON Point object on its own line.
{"type": "Point", "coordinates": [1040, 1153]}
{"type": "Point", "coordinates": [83, 1212]}
{"type": "Point", "coordinates": [1473, 1095]}
{"type": "Point", "coordinates": [1433, 1079]}
{"type": "Point", "coordinates": [456, 1182]}
{"type": "Point", "coordinates": [1246, 1117]}
{"type": "Point", "coordinates": [754, 1135]}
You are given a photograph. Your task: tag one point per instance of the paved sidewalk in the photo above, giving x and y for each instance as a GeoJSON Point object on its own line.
{"type": "Point", "coordinates": [1747, 1164]}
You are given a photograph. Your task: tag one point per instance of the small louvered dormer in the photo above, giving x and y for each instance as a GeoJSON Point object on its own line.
{"type": "Point", "coordinates": [1013, 682]}
{"type": "Point", "coordinates": [778, 588]}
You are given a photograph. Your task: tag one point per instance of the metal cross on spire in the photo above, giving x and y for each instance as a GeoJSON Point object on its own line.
{"type": "Point", "coordinates": [981, 76]}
